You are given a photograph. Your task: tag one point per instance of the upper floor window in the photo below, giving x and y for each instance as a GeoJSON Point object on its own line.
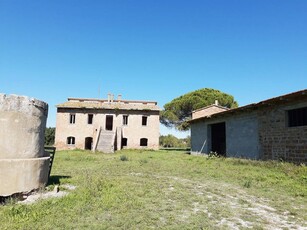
{"type": "Point", "coordinates": [72, 118]}
{"type": "Point", "coordinates": [143, 142]}
{"type": "Point", "coordinates": [125, 119]}
{"type": "Point", "coordinates": [297, 117]}
{"type": "Point", "coordinates": [144, 120]}
{"type": "Point", "coordinates": [71, 140]}
{"type": "Point", "coordinates": [90, 119]}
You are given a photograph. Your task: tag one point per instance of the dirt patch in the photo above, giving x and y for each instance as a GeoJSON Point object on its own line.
{"type": "Point", "coordinates": [57, 192]}
{"type": "Point", "coordinates": [229, 206]}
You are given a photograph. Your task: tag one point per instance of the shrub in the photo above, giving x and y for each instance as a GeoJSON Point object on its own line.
{"type": "Point", "coordinates": [123, 158]}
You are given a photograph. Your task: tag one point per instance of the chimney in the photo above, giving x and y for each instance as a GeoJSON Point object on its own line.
{"type": "Point", "coordinates": [109, 97]}
{"type": "Point", "coordinates": [216, 102]}
{"type": "Point", "coordinates": [119, 97]}
{"type": "Point", "coordinates": [112, 98]}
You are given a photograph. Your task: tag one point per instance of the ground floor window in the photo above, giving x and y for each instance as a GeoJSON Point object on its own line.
{"type": "Point", "coordinates": [143, 142]}
{"type": "Point", "coordinates": [70, 140]}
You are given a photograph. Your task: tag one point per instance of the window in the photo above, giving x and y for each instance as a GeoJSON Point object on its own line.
{"type": "Point", "coordinates": [90, 119]}
{"type": "Point", "coordinates": [143, 142]}
{"type": "Point", "coordinates": [144, 120]}
{"type": "Point", "coordinates": [125, 119]}
{"type": "Point", "coordinates": [70, 140]}
{"type": "Point", "coordinates": [297, 117]}
{"type": "Point", "coordinates": [72, 119]}
{"type": "Point", "coordinates": [124, 142]}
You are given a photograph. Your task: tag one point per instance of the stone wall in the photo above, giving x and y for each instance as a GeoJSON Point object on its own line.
{"type": "Point", "coordinates": [277, 140]}
{"type": "Point", "coordinates": [134, 131]}
{"type": "Point", "coordinates": [24, 165]}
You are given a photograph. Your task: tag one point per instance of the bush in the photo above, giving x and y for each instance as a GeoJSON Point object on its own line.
{"type": "Point", "coordinates": [123, 158]}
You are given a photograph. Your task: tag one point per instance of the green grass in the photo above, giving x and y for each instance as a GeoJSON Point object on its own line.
{"type": "Point", "coordinates": [165, 189]}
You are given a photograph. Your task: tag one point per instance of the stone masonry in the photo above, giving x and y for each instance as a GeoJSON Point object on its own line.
{"type": "Point", "coordinates": [279, 141]}
{"type": "Point", "coordinates": [115, 124]}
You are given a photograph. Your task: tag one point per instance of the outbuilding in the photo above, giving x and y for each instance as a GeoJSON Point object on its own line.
{"type": "Point", "coordinates": [274, 129]}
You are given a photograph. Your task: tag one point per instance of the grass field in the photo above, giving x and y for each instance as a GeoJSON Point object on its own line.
{"type": "Point", "coordinates": [165, 190]}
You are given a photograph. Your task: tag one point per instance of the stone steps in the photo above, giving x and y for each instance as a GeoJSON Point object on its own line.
{"type": "Point", "coordinates": [106, 141]}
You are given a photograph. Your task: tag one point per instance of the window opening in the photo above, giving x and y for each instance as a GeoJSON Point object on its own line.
{"type": "Point", "coordinates": [90, 119]}
{"type": "Point", "coordinates": [125, 119]}
{"type": "Point", "coordinates": [70, 140]}
{"type": "Point", "coordinates": [144, 120]}
{"type": "Point", "coordinates": [72, 118]}
{"type": "Point", "coordinates": [297, 117]}
{"type": "Point", "coordinates": [143, 142]}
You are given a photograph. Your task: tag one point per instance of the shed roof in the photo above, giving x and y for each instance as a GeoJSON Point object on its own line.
{"type": "Point", "coordinates": [208, 111]}
{"type": "Point", "coordinates": [272, 101]}
{"type": "Point", "coordinates": [87, 103]}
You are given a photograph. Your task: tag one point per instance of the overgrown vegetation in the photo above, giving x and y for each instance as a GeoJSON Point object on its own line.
{"type": "Point", "coordinates": [170, 141]}
{"type": "Point", "coordinates": [166, 190]}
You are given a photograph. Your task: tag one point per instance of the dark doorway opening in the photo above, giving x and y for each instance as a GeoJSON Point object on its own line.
{"type": "Point", "coordinates": [109, 122]}
{"type": "Point", "coordinates": [218, 138]}
{"type": "Point", "coordinates": [88, 143]}
{"type": "Point", "coordinates": [124, 142]}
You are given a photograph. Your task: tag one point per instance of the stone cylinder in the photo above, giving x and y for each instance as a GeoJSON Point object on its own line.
{"type": "Point", "coordinates": [24, 165]}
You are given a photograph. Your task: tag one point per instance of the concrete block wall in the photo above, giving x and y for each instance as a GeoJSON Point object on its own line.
{"type": "Point", "coordinates": [277, 139]}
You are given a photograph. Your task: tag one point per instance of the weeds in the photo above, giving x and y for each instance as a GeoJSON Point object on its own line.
{"type": "Point", "coordinates": [164, 190]}
{"type": "Point", "coordinates": [123, 158]}
{"type": "Point", "coordinates": [247, 184]}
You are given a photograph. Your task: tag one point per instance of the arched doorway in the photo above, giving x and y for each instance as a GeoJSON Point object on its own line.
{"type": "Point", "coordinates": [88, 143]}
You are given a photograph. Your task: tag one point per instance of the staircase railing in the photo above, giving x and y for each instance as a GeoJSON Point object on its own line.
{"type": "Point", "coordinates": [96, 139]}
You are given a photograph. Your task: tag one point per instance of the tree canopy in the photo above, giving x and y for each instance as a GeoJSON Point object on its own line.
{"type": "Point", "coordinates": [49, 136]}
{"type": "Point", "coordinates": [170, 141]}
{"type": "Point", "coordinates": [178, 112]}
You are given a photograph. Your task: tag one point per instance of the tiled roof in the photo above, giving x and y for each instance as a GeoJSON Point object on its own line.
{"type": "Point", "coordinates": [77, 103]}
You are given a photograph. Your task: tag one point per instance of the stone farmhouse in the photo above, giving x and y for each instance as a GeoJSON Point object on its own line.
{"type": "Point", "coordinates": [107, 125]}
{"type": "Point", "coordinates": [271, 129]}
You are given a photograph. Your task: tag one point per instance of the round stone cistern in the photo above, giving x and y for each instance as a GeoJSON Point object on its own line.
{"type": "Point", "coordinates": [24, 165]}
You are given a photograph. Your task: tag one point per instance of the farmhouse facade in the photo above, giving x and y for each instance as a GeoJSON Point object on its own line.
{"type": "Point", "coordinates": [273, 129]}
{"type": "Point", "coordinates": [107, 125]}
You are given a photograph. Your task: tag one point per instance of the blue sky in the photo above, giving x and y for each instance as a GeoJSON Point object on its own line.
{"type": "Point", "coordinates": [152, 49]}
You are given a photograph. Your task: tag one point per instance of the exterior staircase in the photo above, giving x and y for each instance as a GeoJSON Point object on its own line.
{"type": "Point", "coordinates": [106, 141]}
